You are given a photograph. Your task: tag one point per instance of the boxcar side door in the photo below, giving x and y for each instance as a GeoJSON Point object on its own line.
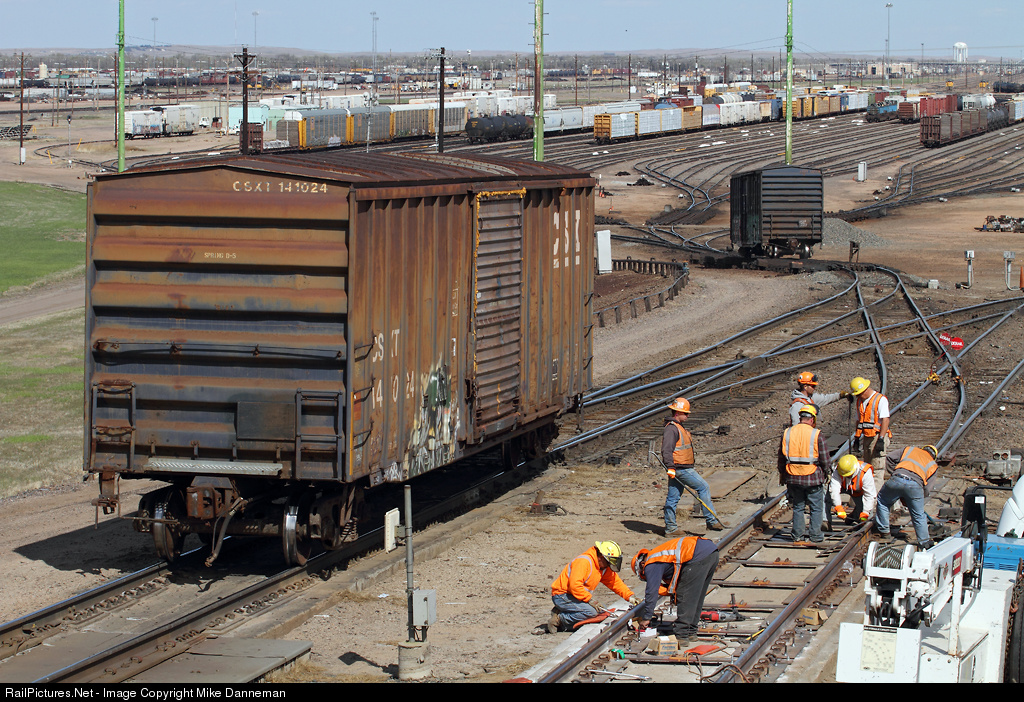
{"type": "Point", "coordinates": [497, 312]}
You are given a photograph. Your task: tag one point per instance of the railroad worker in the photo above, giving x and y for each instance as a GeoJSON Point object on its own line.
{"type": "Point", "coordinates": [911, 470]}
{"type": "Point", "coordinates": [857, 479]}
{"type": "Point", "coordinates": [872, 432]}
{"type": "Point", "coordinates": [682, 569]}
{"type": "Point", "coordinates": [572, 592]}
{"type": "Point", "coordinates": [807, 394]}
{"type": "Point", "coordinates": [803, 463]}
{"type": "Point", "coordinates": [677, 457]}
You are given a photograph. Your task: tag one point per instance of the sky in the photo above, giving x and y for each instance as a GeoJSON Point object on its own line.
{"type": "Point", "coordinates": [822, 28]}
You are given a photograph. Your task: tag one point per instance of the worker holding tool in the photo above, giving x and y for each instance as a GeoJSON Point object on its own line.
{"type": "Point", "coordinates": [677, 457]}
{"type": "Point", "coordinates": [911, 470]}
{"type": "Point", "coordinates": [572, 592]}
{"type": "Point", "coordinates": [857, 479]}
{"type": "Point", "coordinates": [872, 434]}
{"type": "Point", "coordinates": [682, 569]}
{"type": "Point", "coordinates": [807, 394]}
{"type": "Point", "coordinates": [803, 463]}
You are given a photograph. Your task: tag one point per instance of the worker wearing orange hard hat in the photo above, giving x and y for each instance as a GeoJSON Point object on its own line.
{"type": "Point", "coordinates": [873, 433]}
{"type": "Point", "coordinates": [572, 592]}
{"type": "Point", "coordinates": [857, 479]}
{"type": "Point", "coordinates": [680, 568]}
{"type": "Point", "coordinates": [806, 393]}
{"type": "Point", "coordinates": [678, 459]}
{"type": "Point", "coordinates": [803, 463]}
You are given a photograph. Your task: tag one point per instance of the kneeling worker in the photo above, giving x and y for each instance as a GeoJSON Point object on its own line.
{"type": "Point", "coordinates": [572, 592]}
{"type": "Point", "coordinates": [857, 479]}
{"type": "Point", "coordinates": [682, 569]}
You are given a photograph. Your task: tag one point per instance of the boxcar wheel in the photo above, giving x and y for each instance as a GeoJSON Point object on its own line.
{"type": "Point", "coordinates": [295, 541]}
{"type": "Point", "coordinates": [167, 538]}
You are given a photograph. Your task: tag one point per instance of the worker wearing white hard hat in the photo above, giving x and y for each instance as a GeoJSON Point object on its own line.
{"type": "Point", "coordinates": [857, 479]}
{"type": "Point", "coordinates": [678, 459]}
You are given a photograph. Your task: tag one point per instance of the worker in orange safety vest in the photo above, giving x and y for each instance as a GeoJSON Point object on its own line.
{"type": "Point", "coordinates": [873, 432]}
{"type": "Point", "coordinates": [857, 479]}
{"type": "Point", "coordinates": [803, 462]}
{"type": "Point", "coordinates": [572, 592]}
{"type": "Point", "coordinates": [682, 569]}
{"type": "Point", "coordinates": [911, 470]}
{"type": "Point", "coordinates": [677, 457]}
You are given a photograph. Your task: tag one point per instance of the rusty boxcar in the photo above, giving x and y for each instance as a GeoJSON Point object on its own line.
{"type": "Point", "coordinates": [273, 335]}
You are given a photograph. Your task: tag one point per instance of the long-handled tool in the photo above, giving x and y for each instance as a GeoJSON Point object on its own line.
{"type": "Point", "coordinates": [706, 505]}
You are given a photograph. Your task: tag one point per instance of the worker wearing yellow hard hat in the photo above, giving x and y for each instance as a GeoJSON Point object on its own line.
{"type": "Point", "coordinates": [678, 459]}
{"type": "Point", "coordinates": [803, 464]}
{"type": "Point", "coordinates": [572, 592]}
{"type": "Point", "coordinates": [857, 479]}
{"type": "Point", "coordinates": [911, 468]}
{"type": "Point", "coordinates": [806, 393]}
{"type": "Point", "coordinates": [873, 432]}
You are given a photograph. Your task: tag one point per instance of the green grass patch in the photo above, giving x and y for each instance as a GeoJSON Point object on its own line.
{"type": "Point", "coordinates": [27, 439]}
{"type": "Point", "coordinates": [41, 386]}
{"type": "Point", "coordinates": [42, 232]}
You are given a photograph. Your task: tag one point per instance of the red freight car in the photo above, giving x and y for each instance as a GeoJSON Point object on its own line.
{"type": "Point", "coordinates": [272, 335]}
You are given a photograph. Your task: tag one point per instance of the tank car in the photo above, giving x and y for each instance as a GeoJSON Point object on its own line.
{"type": "Point", "coordinates": [272, 336]}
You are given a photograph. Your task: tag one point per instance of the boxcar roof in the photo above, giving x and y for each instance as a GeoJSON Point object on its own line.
{"type": "Point", "coordinates": [375, 170]}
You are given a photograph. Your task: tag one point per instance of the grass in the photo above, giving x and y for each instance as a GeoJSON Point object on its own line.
{"type": "Point", "coordinates": [41, 390]}
{"type": "Point", "coordinates": [42, 233]}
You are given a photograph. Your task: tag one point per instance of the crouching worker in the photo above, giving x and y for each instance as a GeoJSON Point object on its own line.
{"type": "Point", "coordinates": [857, 479]}
{"type": "Point", "coordinates": [681, 569]}
{"type": "Point", "coordinates": [572, 592]}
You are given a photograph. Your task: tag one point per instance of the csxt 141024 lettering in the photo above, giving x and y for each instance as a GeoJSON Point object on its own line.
{"type": "Point", "coordinates": [274, 335]}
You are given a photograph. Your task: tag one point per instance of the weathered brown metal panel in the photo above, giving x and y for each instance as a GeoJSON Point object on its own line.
{"type": "Point", "coordinates": [334, 306]}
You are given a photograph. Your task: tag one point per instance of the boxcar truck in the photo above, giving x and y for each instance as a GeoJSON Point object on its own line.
{"type": "Point", "coordinates": [271, 336]}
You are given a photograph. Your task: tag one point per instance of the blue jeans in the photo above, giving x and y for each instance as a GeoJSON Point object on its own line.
{"type": "Point", "coordinates": [691, 479]}
{"type": "Point", "coordinates": [571, 611]}
{"type": "Point", "coordinates": [800, 497]}
{"type": "Point", "coordinates": [911, 493]}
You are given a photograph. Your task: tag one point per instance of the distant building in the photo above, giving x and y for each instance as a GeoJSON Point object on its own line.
{"type": "Point", "coordinates": [960, 52]}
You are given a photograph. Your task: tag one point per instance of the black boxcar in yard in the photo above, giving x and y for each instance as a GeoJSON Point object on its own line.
{"type": "Point", "coordinates": [273, 335]}
{"type": "Point", "coordinates": [776, 211]}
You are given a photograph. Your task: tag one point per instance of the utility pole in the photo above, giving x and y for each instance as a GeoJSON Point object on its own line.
{"type": "Point", "coordinates": [120, 88]}
{"type": "Point", "coordinates": [440, 103]}
{"type": "Point", "coordinates": [789, 82]}
{"type": "Point", "coordinates": [21, 111]}
{"type": "Point", "coordinates": [243, 129]}
{"type": "Point", "coordinates": [538, 80]}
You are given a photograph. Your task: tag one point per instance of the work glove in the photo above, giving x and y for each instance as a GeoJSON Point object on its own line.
{"type": "Point", "coordinates": [840, 512]}
{"type": "Point", "coordinates": [593, 603]}
{"type": "Point", "coordinates": [671, 473]}
{"type": "Point", "coordinates": [863, 516]}
{"type": "Point", "coordinates": [885, 444]}
{"type": "Point", "coordinates": [845, 393]}
{"type": "Point", "coordinates": [634, 601]}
